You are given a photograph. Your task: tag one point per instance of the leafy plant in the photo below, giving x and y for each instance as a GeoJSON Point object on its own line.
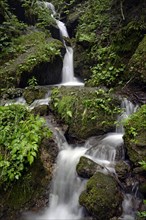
{"type": "Point", "coordinates": [100, 101]}
{"type": "Point", "coordinates": [107, 71]}
{"type": "Point", "coordinates": [143, 164]}
{"type": "Point", "coordinates": [32, 82]}
{"type": "Point", "coordinates": [64, 106]}
{"type": "Point", "coordinates": [20, 136]}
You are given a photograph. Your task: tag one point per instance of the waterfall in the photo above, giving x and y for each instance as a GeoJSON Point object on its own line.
{"type": "Point", "coordinates": [67, 185]}
{"type": "Point", "coordinates": [128, 108]}
{"type": "Point", "coordinates": [68, 68]}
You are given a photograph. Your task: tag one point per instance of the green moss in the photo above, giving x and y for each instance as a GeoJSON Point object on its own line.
{"type": "Point", "coordinates": [30, 94]}
{"type": "Point", "coordinates": [101, 194]}
{"type": "Point", "coordinates": [137, 64]}
{"type": "Point", "coordinates": [86, 111]}
{"type": "Point", "coordinates": [135, 138]}
{"type": "Point", "coordinates": [86, 167]}
{"type": "Point", "coordinates": [28, 51]}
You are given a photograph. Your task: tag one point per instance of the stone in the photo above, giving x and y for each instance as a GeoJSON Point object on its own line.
{"type": "Point", "coordinates": [87, 167]}
{"type": "Point", "coordinates": [102, 198]}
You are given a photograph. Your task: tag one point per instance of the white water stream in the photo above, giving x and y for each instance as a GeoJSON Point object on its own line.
{"type": "Point", "coordinates": [68, 78]}
{"type": "Point", "coordinates": [67, 185]}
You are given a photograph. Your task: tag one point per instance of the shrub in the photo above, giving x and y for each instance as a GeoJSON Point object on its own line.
{"type": "Point", "coordinates": [20, 136]}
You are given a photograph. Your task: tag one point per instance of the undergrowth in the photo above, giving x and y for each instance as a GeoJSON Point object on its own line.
{"type": "Point", "coordinates": [20, 136]}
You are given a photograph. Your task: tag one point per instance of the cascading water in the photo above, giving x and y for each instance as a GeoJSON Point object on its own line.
{"type": "Point", "coordinates": [67, 185]}
{"type": "Point", "coordinates": [68, 69]}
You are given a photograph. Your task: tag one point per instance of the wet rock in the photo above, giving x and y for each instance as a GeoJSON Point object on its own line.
{"type": "Point", "coordinates": [32, 93]}
{"type": "Point", "coordinates": [122, 169]}
{"type": "Point", "coordinates": [87, 167]}
{"type": "Point", "coordinates": [40, 57]}
{"type": "Point", "coordinates": [81, 109]}
{"type": "Point", "coordinates": [41, 110]}
{"type": "Point", "coordinates": [102, 194]}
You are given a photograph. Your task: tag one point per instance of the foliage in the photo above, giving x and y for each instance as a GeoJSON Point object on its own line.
{"type": "Point", "coordinates": [36, 12]}
{"type": "Point", "coordinates": [29, 51]}
{"type": "Point", "coordinates": [137, 65]}
{"type": "Point", "coordinates": [135, 125]}
{"type": "Point", "coordinates": [64, 7]}
{"type": "Point", "coordinates": [63, 107]}
{"type": "Point", "coordinates": [143, 164]}
{"type": "Point", "coordinates": [4, 9]}
{"type": "Point", "coordinates": [20, 136]}
{"type": "Point", "coordinates": [32, 82]}
{"type": "Point", "coordinates": [10, 29]}
{"type": "Point", "coordinates": [107, 71]}
{"type": "Point", "coordinates": [86, 111]}
{"type": "Point", "coordinates": [94, 17]}
{"type": "Point", "coordinates": [101, 101]}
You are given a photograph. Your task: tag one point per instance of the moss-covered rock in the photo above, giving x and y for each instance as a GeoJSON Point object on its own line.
{"type": "Point", "coordinates": [87, 111]}
{"type": "Point", "coordinates": [27, 155]}
{"type": "Point", "coordinates": [34, 54]}
{"type": "Point", "coordinates": [87, 167]}
{"type": "Point", "coordinates": [135, 136]}
{"type": "Point", "coordinates": [32, 93]}
{"type": "Point", "coordinates": [41, 110]}
{"type": "Point", "coordinates": [143, 189]}
{"type": "Point", "coordinates": [27, 191]}
{"type": "Point", "coordinates": [137, 64]}
{"type": "Point", "coordinates": [102, 198]}
{"type": "Point", "coordinates": [122, 169]}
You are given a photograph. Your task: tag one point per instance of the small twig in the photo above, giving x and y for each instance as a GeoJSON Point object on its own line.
{"type": "Point", "coordinates": [129, 81]}
{"type": "Point", "coordinates": [121, 8]}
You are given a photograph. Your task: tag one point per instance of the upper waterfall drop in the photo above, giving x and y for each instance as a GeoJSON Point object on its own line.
{"type": "Point", "coordinates": [68, 77]}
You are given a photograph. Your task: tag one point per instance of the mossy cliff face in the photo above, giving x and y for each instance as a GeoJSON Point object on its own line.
{"type": "Point", "coordinates": [137, 64]}
{"type": "Point", "coordinates": [135, 136]}
{"type": "Point", "coordinates": [101, 198]}
{"type": "Point", "coordinates": [86, 111]}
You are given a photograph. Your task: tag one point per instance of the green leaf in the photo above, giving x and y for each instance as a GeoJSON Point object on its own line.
{"type": "Point", "coordinates": [30, 159]}
{"type": "Point", "coordinates": [69, 113]}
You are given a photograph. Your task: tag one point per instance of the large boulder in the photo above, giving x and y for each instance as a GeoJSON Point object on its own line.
{"type": "Point", "coordinates": [34, 55]}
{"type": "Point", "coordinates": [86, 111]}
{"type": "Point", "coordinates": [102, 198]}
{"type": "Point", "coordinates": [135, 138]}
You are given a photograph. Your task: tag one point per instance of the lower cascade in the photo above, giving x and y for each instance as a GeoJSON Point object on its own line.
{"type": "Point", "coordinates": [67, 185]}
